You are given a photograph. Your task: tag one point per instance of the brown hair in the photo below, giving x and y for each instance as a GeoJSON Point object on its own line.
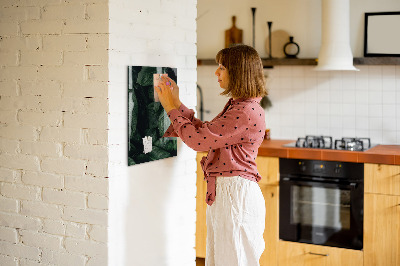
{"type": "Point", "coordinates": [245, 69]}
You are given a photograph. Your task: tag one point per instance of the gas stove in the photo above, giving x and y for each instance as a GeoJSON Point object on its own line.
{"type": "Point", "coordinates": [326, 142]}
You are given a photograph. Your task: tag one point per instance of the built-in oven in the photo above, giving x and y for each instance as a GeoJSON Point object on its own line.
{"type": "Point", "coordinates": [321, 202]}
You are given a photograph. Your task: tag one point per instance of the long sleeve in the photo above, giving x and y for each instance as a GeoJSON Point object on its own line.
{"type": "Point", "coordinates": [185, 112]}
{"type": "Point", "coordinates": [232, 127]}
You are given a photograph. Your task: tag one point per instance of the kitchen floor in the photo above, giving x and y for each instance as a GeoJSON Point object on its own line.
{"type": "Point", "coordinates": [200, 262]}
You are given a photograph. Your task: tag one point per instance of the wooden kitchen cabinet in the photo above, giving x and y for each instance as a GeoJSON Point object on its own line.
{"type": "Point", "coordinates": [300, 254]}
{"type": "Point", "coordinates": [271, 232]}
{"type": "Point", "coordinates": [382, 179]}
{"type": "Point", "coordinates": [382, 215]}
{"type": "Point", "coordinates": [201, 205]}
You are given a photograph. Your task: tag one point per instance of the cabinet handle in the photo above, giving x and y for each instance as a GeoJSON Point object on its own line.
{"type": "Point", "coordinates": [318, 254]}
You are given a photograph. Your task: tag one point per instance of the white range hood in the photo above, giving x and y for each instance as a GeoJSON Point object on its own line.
{"type": "Point", "coordinates": [335, 52]}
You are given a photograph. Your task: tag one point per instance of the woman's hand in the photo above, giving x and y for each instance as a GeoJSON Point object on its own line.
{"type": "Point", "coordinates": [165, 96]}
{"type": "Point", "coordinates": [175, 90]}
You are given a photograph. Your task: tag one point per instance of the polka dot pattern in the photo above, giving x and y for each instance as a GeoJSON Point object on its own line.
{"type": "Point", "coordinates": [232, 139]}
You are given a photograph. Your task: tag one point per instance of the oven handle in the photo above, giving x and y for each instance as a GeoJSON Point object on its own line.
{"type": "Point", "coordinates": [310, 182]}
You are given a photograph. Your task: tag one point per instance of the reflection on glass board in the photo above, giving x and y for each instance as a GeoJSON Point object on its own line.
{"type": "Point", "coordinates": [147, 120]}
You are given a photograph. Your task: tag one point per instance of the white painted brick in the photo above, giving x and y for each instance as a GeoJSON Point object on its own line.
{"type": "Point", "coordinates": [35, 239]}
{"type": "Point", "coordinates": [97, 11]}
{"type": "Point", "coordinates": [64, 42]}
{"type": "Point", "coordinates": [43, 179]}
{"type": "Point", "coordinates": [86, 89]}
{"type": "Point", "coordinates": [85, 247]}
{"type": "Point", "coordinates": [76, 230]}
{"type": "Point", "coordinates": [29, 73]}
{"type": "Point", "coordinates": [98, 261]}
{"type": "Point", "coordinates": [9, 58]}
{"type": "Point", "coordinates": [62, 258]}
{"type": "Point", "coordinates": [97, 201]}
{"type": "Point", "coordinates": [40, 209]}
{"type": "Point", "coordinates": [39, 88]}
{"type": "Point", "coordinates": [61, 73]}
{"type": "Point", "coordinates": [8, 117]}
{"type": "Point", "coordinates": [85, 121]}
{"type": "Point", "coordinates": [39, 2]}
{"type": "Point", "coordinates": [186, 23]}
{"type": "Point", "coordinates": [8, 146]}
{"type": "Point", "coordinates": [41, 27]}
{"type": "Point", "coordinates": [68, 12]}
{"type": "Point", "coordinates": [20, 161]}
{"type": "Point", "coordinates": [19, 191]}
{"type": "Point", "coordinates": [48, 58]}
{"type": "Point", "coordinates": [8, 205]}
{"type": "Point", "coordinates": [19, 251]}
{"type": "Point", "coordinates": [191, 61]}
{"type": "Point", "coordinates": [97, 169]}
{"type": "Point", "coordinates": [63, 166]}
{"type": "Point", "coordinates": [40, 118]}
{"type": "Point", "coordinates": [19, 221]}
{"type": "Point", "coordinates": [8, 234]}
{"type": "Point", "coordinates": [26, 262]}
{"type": "Point", "coordinates": [23, 43]}
{"type": "Point", "coordinates": [98, 73]}
{"type": "Point", "coordinates": [7, 175]}
{"type": "Point", "coordinates": [95, 105]}
{"type": "Point", "coordinates": [8, 260]}
{"type": "Point", "coordinates": [186, 48]}
{"type": "Point", "coordinates": [99, 42]}
{"type": "Point", "coordinates": [98, 233]}
{"type": "Point", "coordinates": [86, 26]}
{"type": "Point", "coordinates": [61, 104]}
{"type": "Point", "coordinates": [88, 152]}
{"type": "Point", "coordinates": [18, 132]}
{"type": "Point", "coordinates": [8, 29]}
{"type": "Point", "coordinates": [54, 227]}
{"type": "Point", "coordinates": [41, 148]}
{"type": "Point", "coordinates": [19, 13]}
{"type": "Point", "coordinates": [89, 216]}
{"type": "Point", "coordinates": [8, 88]}
{"type": "Point", "coordinates": [95, 136]}
{"type": "Point", "coordinates": [85, 58]}
{"type": "Point", "coordinates": [69, 198]}
{"type": "Point", "coordinates": [60, 134]}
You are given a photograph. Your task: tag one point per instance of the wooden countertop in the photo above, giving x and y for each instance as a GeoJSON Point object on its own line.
{"type": "Point", "coordinates": [380, 154]}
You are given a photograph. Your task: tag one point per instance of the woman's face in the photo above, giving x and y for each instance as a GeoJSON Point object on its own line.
{"type": "Point", "coordinates": [223, 76]}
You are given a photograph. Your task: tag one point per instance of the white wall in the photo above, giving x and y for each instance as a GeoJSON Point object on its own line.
{"type": "Point", "coordinates": [53, 133]}
{"type": "Point", "coordinates": [152, 205]}
{"type": "Point", "coordinates": [337, 103]}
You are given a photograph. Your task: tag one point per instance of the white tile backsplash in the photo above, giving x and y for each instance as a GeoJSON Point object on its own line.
{"type": "Point", "coordinates": [363, 103]}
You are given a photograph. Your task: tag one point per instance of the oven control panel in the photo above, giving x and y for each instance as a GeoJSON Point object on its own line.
{"type": "Point", "coordinates": [317, 168]}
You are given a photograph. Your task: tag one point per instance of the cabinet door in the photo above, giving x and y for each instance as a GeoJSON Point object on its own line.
{"type": "Point", "coordinates": [382, 179]}
{"type": "Point", "coordinates": [381, 230]}
{"type": "Point", "coordinates": [299, 254]}
{"type": "Point", "coordinates": [271, 232]}
{"type": "Point", "coordinates": [268, 167]}
{"type": "Point", "coordinates": [201, 205]}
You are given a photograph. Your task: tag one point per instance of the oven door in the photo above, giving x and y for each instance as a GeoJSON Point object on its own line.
{"type": "Point", "coordinates": [321, 212]}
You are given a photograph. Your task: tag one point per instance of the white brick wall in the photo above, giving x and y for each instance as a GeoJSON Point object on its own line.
{"type": "Point", "coordinates": [53, 132]}
{"type": "Point", "coordinates": [152, 205]}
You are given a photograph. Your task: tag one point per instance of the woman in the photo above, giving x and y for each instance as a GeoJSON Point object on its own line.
{"type": "Point", "coordinates": [236, 211]}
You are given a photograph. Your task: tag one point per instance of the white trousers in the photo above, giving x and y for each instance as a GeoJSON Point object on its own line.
{"type": "Point", "coordinates": [235, 223]}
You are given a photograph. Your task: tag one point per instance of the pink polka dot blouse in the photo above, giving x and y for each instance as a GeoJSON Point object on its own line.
{"type": "Point", "coordinates": [232, 139]}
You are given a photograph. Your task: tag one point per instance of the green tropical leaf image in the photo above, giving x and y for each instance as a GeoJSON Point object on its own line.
{"type": "Point", "coordinates": [147, 120]}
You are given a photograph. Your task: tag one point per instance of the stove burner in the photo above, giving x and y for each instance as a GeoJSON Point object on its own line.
{"type": "Point", "coordinates": [353, 144]}
{"type": "Point", "coordinates": [324, 142]}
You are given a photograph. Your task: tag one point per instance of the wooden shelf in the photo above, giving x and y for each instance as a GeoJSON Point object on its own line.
{"type": "Point", "coordinates": [269, 63]}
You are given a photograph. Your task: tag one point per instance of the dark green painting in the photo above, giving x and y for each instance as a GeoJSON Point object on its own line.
{"type": "Point", "coordinates": [147, 120]}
